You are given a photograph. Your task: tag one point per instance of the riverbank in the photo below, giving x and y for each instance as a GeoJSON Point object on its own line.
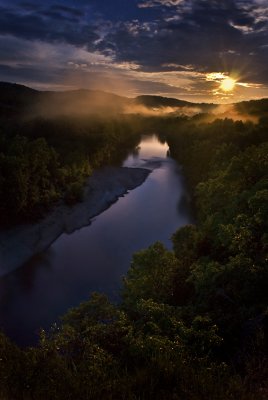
{"type": "Point", "coordinates": [18, 245]}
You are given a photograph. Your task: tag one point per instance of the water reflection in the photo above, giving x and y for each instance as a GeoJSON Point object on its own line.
{"type": "Point", "coordinates": [149, 148]}
{"type": "Point", "coordinates": [96, 257]}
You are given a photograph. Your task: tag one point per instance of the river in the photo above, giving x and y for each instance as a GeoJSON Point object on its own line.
{"type": "Point", "coordinates": [96, 257]}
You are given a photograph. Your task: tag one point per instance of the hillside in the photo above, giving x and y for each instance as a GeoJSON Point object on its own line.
{"type": "Point", "coordinates": [253, 107]}
{"type": "Point", "coordinates": [17, 99]}
{"type": "Point", "coordinates": [21, 100]}
{"type": "Point", "coordinates": [159, 101]}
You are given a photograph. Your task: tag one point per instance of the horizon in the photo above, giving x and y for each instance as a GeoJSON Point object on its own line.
{"type": "Point", "coordinates": [127, 97]}
{"type": "Point", "coordinates": [193, 50]}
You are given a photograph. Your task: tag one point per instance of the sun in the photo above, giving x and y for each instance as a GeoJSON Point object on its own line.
{"type": "Point", "coordinates": [228, 84]}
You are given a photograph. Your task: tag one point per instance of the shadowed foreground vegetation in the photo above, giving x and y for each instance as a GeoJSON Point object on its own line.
{"type": "Point", "coordinates": [44, 160]}
{"type": "Point", "coordinates": [193, 321]}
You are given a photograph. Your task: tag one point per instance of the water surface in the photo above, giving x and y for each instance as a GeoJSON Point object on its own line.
{"type": "Point", "coordinates": [96, 257]}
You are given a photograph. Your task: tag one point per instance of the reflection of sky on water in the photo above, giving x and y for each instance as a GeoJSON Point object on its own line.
{"type": "Point", "coordinates": [150, 148]}
{"type": "Point", "coordinates": [96, 257]}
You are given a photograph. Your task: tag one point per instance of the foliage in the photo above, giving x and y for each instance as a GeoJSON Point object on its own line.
{"type": "Point", "coordinates": [45, 160]}
{"type": "Point", "coordinates": [193, 321]}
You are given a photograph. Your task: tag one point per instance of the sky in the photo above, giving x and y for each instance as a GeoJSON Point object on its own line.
{"type": "Point", "coordinates": [195, 50]}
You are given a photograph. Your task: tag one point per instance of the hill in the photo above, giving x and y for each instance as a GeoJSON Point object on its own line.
{"type": "Point", "coordinates": [19, 100]}
{"type": "Point", "coordinates": [160, 102]}
{"type": "Point", "coordinates": [253, 107]}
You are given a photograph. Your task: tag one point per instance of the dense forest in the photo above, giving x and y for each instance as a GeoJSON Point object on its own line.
{"type": "Point", "coordinates": [193, 322]}
{"type": "Point", "coordinates": [45, 160]}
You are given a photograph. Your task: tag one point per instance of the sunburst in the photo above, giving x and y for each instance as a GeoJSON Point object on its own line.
{"type": "Point", "coordinates": [228, 84]}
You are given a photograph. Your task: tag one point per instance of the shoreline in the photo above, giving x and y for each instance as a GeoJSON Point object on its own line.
{"type": "Point", "coordinates": [18, 245]}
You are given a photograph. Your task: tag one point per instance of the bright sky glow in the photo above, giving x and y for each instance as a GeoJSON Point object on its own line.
{"type": "Point", "coordinates": [194, 50]}
{"type": "Point", "coordinates": [228, 84]}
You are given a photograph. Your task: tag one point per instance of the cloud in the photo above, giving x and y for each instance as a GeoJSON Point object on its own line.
{"type": "Point", "coordinates": [68, 10]}
{"type": "Point", "coordinates": [208, 36]}
{"type": "Point", "coordinates": [157, 3]}
{"type": "Point", "coordinates": [166, 46]}
{"type": "Point", "coordinates": [36, 22]}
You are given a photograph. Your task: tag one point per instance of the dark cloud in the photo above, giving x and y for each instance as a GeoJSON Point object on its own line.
{"type": "Point", "coordinates": [199, 35]}
{"type": "Point", "coordinates": [69, 10]}
{"type": "Point", "coordinates": [30, 75]}
{"type": "Point", "coordinates": [156, 87]}
{"type": "Point", "coordinates": [58, 16]}
{"type": "Point", "coordinates": [29, 6]}
{"type": "Point", "coordinates": [158, 35]}
{"type": "Point", "coordinates": [40, 25]}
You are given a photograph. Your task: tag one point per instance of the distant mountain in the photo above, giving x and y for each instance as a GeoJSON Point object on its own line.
{"type": "Point", "coordinates": [80, 101]}
{"type": "Point", "coordinates": [163, 102]}
{"type": "Point", "coordinates": [253, 107]}
{"type": "Point", "coordinates": [15, 97]}
{"type": "Point", "coordinates": [159, 101]}
{"type": "Point", "coordinates": [19, 100]}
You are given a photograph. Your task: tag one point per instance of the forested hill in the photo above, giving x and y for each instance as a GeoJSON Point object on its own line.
{"type": "Point", "coordinates": [65, 135]}
{"type": "Point", "coordinates": [15, 98]}
{"type": "Point", "coordinates": [20, 100]}
{"type": "Point", "coordinates": [193, 321]}
{"type": "Point", "coordinates": [50, 143]}
{"type": "Point", "coordinates": [253, 107]}
{"type": "Point", "coordinates": [159, 101]}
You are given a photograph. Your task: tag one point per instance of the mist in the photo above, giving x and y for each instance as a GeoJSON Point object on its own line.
{"type": "Point", "coordinates": [230, 111]}
{"type": "Point", "coordinates": [85, 103]}
{"type": "Point", "coordinates": [78, 103]}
